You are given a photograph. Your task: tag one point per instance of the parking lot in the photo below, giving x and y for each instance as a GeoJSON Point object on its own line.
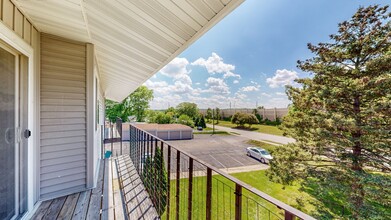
{"type": "Point", "coordinates": [222, 151]}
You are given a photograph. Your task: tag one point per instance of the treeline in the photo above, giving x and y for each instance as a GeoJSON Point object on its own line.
{"type": "Point", "coordinates": [185, 113]}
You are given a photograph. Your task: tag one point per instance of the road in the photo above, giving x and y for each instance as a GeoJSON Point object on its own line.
{"type": "Point", "coordinates": [256, 135]}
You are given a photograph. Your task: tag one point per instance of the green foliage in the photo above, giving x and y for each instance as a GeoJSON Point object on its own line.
{"type": "Point", "coordinates": [208, 114]}
{"type": "Point", "coordinates": [162, 118]}
{"type": "Point", "coordinates": [341, 117]}
{"type": "Point", "coordinates": [138, 102]}
{"type": "Point", "coordinates": [187, 108]}
{"type": "Point", "coordinates": [156, 180]}
{"type": "Point", "coordinates": [115, 110]}
{"type": "Point", "coordinates": [135, 104]}
{"type": "Point", "coordinates": [199, 121]}
{"type": "Point", "coordinates": [171, 110]}
{"type": "Point", "coordinates": [240, 119]}
{"type": "Point", "coordinates": [185, 120]}
{"type": "Point", "coordinates": [217, 115]}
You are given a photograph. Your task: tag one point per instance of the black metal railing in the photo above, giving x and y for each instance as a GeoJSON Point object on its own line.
{"type": "Point", "coordinates": [181, 186]}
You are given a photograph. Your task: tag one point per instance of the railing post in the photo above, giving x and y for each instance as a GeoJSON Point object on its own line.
{"type": "Point", "coordinates": [190, 191]}
{"type": "Point", "coordinates": [238, 202]}
{"type": "Point", "coordinates": [112, 137]}
{"type": "Point", "coordinates": [168, 179]}
{"type": "Point", "coordinates": [178, 181]}
{"type": "Point", "coordinates": [288, 216]}
{"type": "Point", "coordinates": [208, 193]}
{"type": "Point", "coordinates": [130, 140]}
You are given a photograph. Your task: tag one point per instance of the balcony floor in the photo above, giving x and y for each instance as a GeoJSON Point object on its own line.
{"type": "Point", "coordinates": [119, 194]}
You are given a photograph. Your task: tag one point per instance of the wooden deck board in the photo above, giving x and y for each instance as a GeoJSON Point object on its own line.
{"type": "Point", "coordinates": [68, 207]}
{"type": "Point", "coordinates": [119, 195]}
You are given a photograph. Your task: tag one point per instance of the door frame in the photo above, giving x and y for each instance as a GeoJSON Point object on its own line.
{"type": "Point", "coordinates": [17, 43]}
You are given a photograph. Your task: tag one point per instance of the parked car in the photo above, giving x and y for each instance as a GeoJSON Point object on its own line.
{"type": "Point", "coordinates": [199, 128]}
{"type": "Point", "coordinates": [259, 153]}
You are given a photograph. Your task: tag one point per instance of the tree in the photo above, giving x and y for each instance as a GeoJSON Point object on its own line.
{"type": "Point", "coordinates": [202, 122]}
{"type": "Point", "coordinates": [240, 119]}
{"type": "Point", "coordinates": [187, 108]}
{"type": "Point", "coordinates": [115, 110]}
{"type": "Point", "coordinates": [217, 115]}
{"type": "Point", "coordinates": [171, 110]}
{"type": "Point", "coordinates": [251, 119]}
{"type": "Point", "coordinates": [209, 114]}
{"type": "Point", "coordinates": [138, 102]}
{"type": "Point", "coordinates": [156, 179]}
{"type": "Point", "coordinates": [341, 117]}
{"type": "Point", "coordinates": [186, 120]}
{"type": "Point", "coordinates": [162, 118]}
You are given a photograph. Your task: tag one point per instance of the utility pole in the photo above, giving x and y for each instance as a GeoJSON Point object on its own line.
{"type": "Point", "coordinates": [213, 120]}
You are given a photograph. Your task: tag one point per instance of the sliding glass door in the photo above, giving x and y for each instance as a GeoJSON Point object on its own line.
{"type": "Point", "coordinates": [13, 146]}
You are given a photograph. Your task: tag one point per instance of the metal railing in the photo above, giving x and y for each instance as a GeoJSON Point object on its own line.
{"type": "Point", "coordinates": [181, 186]}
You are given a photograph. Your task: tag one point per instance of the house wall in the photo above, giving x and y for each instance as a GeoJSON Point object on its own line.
{"type": "Point", "coordinates": [63, 118]}
{"type": "Point", "coordinates": [17, 31]}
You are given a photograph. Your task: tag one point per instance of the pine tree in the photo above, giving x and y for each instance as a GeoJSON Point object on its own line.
{"type": "Point", "coordinates": [341, 118]}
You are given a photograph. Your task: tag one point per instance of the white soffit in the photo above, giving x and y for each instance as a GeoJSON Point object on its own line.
{"type": "Point", "coordinates": [133, 39]}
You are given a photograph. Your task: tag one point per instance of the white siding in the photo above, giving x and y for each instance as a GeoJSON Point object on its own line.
{"type": "Point", "coordinates": [63, 117]}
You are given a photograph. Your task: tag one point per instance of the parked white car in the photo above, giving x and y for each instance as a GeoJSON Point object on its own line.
{"type": "Point", "coordinates": [259, 153]}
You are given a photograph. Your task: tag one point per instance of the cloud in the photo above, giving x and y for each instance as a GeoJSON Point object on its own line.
{"type": "Point", "coordinates": [217, 85]}
{"type": "Point", "coordinates": [231, 74]}
{"type": "Point", "coordinates": [280, 93]}
{"type": "Point", "coordinates": [279, 102]}
{"type": "Point", "coordinates": [176, 67]}
{"type": "Point", "coordinates": [249, 88]}
{"type": "Point", "coordinates": [265, 94]}
{"type": "Point", "coordinates": [214, 64]}
{"type": "Point", "coordinates": [235, 81]}
{"type": "Point", "coordinates": [282, 78]}
{"type": "Point", "coordinates": [154, 85]}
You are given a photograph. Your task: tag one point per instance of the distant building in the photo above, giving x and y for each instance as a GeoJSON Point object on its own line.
{"type": "Point", "coordinates": [163, 131]}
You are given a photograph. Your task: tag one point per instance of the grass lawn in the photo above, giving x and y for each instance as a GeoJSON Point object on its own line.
{"type": "Point", "coordinates": [223, 198]}
{"type": "Point", "coordinates": [266, 146]}
{"type": "Point", "coordinates": [267, 129]}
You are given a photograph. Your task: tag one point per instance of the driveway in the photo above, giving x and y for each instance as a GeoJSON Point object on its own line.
{"type": "Point", "coordinates": [256, 135]}
{"type": "Point", "coordinates": [225, 152]}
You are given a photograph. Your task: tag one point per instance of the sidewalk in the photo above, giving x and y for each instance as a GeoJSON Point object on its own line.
{"type": "Point", "coordinates": [253, 135]}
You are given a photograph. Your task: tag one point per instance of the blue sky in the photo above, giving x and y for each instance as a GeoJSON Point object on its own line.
{"type": "Point", "coordinates": [249, 56]}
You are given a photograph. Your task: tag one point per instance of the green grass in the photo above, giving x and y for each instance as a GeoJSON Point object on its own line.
{"type": "Point", "coordinates": [267, 129]}
{"type": "Point", "coordinates": [266, 146]}
{"type": "Point", "coordinates": [211, 132]}
{"type": "Point", "coordinates": [223, 197]}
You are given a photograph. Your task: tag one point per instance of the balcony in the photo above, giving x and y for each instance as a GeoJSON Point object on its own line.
{"type": "Point", "coordinates": [147, 178]}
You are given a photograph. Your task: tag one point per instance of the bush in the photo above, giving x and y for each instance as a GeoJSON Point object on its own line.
{"type": "Point", "coordinates": [186, 120]}
{"type": "Point", "coordinates": [240, 119]}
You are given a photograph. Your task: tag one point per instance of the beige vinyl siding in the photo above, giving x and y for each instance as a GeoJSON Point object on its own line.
{"type": "Point", "coordinates": [63, 151]}
{"type": "Point", "coordinates": [13, 18]}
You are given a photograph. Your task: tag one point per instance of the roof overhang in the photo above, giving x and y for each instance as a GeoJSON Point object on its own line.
{"type": "Point", "coordinates": [133, 39]}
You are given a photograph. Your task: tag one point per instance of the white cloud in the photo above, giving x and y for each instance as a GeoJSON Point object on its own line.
{"type": "Point", "coordinates": [216, 85]}
{"type": "Point", "coordinates": [214, 64]}
{"type": "Point", "coordinates": [265, 94]}
{"type": "Point", "coordinates": [153, 85]}
{"type": "Point", "coordinates": [231, 74]}
{"type": "Point", "coordinates": [282, 78]}
{"type": "Point", "coordinates": [235, 81]}
{"type": "Point", "coordinates": [176, 67]}
{"type": "Point", "coordinates": [198, 83]}
{"type": "Point", "coordinates": [278, 102]}
{"type": "Point", "coordinates": [249, 89]}
{"type": "Point", "coordinates": [280, 93]}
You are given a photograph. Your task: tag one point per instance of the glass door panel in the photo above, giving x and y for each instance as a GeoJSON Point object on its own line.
{"type": "Point", "coordinates": [7, 134]}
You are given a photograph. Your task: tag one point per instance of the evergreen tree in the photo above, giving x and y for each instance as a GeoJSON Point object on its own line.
{"type": "Point", "coordinates": [341, 118]}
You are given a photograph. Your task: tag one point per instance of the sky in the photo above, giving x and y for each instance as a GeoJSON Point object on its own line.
{"type": "Point", "coordinates": [248, 58]}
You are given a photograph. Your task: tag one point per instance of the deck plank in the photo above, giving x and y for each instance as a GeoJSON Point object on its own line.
{"type": "Point", "coordinates": [81, 208]}
{"type": "Point", "coordinates": [119, 211]}
{"type": "Point", "coordinates": [68, 207]}
{"type": "Point", "coordinates": [107, 203]}
{"type": "Point", "coordinates": [94, 207]}
{"type": "Point", "coordinates": [54, 208]}
{"type": "Point", "coordinates": [42, 209]}
{"type": "Point", "coordinates": [120, 194]}
{"type": "Point", "coordinates": [140, 204]}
